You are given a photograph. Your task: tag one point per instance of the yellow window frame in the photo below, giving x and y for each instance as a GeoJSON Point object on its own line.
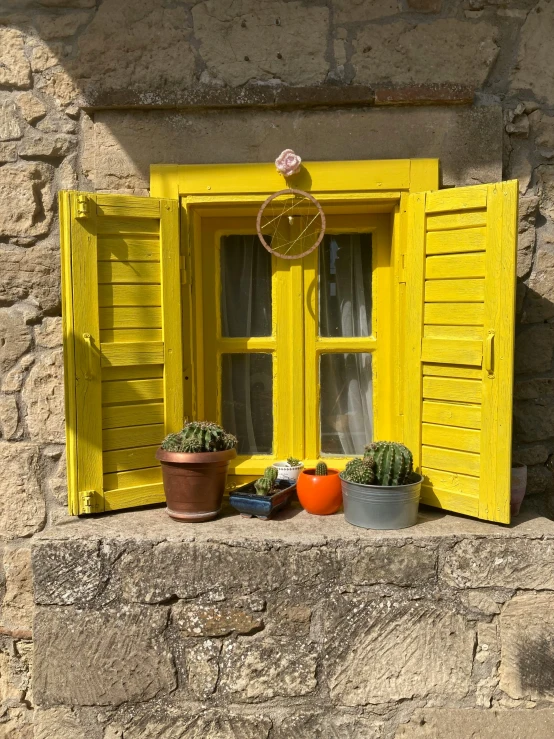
{"type": "Point", "coordinates": [346, 189]}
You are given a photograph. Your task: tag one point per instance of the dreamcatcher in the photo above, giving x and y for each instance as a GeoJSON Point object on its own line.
{"type": "Point", "coordinates": [291, 222]}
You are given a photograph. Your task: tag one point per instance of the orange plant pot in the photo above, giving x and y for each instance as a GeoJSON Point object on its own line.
{"type": "Point", "coordinates": [319, 494]}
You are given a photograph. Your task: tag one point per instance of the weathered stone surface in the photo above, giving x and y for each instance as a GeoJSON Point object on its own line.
{"type": "Point", "coordinates": [121, 145]}
{"type": "Point", "coordinates": [15, 70]}
{"type": "Point", "coordinates": [254, 670]}
{"type": "Point", "coordinates": [9, 416]}
{"type": "Point", "coordinates": [406, 565]}
{"type": "Point", "coordinates": [535, 62]}
{"type": "Point", "coordinates": [534, 348]}
{"type": "Point", "coordinates": [31, 274]}
{"type": "Point", "coordinates": [10, 130]}
{"type": "Point", "coordinates": [15, 337]}
{"type": "Point", "coordinates": [196, 569]}
{"type": "Point", "coordinates": [539, 480]}
{"type": "Point", "coordinates": [55, 483]}
{"type": "Point", "coordinates": [348, 11]}
{"type": "Point", "coordinates": [145, 47]}
{"type": "Point", "coordinates": [45, 145]}
{"type": "Point", "coordinates": [43, 396]}
{"type": "Point", "coordinates": [390, 651]}
{"type": "Point", "coordinates": [13, 380]}
{"type": "Point", "coordinates": [122, 656]}
{"type": "Point", "coordinates": [542, 126]}
{"type": "Point", "coordinates": [218, 619]}
{"type": "Point", "coordinates": [483, 602]}
{"type": "Point", "coordinates": [22, 509]}
{"type": "Point", "coordinates": [203, 668]}
{"type": "Point", "coordinates": [58, 82]}
{"type": "Point", "coordinates": [68, 3]}
{"type": "Point", "coordinates": [526, 625]}
{"type": "Point", "coordinates": [248, 41]}
{"type": "Point", "coordinates": [16, 611]}
{"type": "Point", "coordinates": [49, 332]}
{"type": "Point", "coordinates": [508, 563]}
{"type": "Point", "coordinates": [173, 724]}
{"type": "Point", "coordinates": [24, 199]}
{"type": "Point", "coordinates": [536, 454]}
{"type": "Point", "coordinates": [60, 722]}
{"type": "Point", "coordinates": [461, 723]}
{"type": "Point", "coordinates": [32, 109]}
{"type": "Point", "coordinates": [425, 6]}
{"type": "Point", "coordinates": [68, 573]}
{"type": "Point", "coordinates": [463, 53]}
{"type": "Point", "coordinates": [331, 725]}
{"type": "Point", "coordinates": [8, 152]}
{"type": "Point", "coordinates": [534, 421]}
{"type": "Point", "coordinates": [61, 25]}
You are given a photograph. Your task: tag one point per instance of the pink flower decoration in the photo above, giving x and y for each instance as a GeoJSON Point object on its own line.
{"type": "Point", "coordinates": [288, 163]}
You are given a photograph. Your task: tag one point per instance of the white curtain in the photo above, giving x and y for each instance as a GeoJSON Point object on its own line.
{"type": "Point", "coordinates": [346, 384]}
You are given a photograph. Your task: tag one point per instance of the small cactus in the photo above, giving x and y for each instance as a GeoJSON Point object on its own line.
{"type": "Point", "coordinates": [393, 462]}
{"type": "Point", "coordinates": [265, 485]}
{"type": "Point", "coordinates": [271, 474]}
{"type": "Point", "coordinates": [359, 470]}
{"type": "Point", "coordinates": [293, 462]}
{"type": "Point", "coordinates": [321, 469]}
{"type": "Point", "coordinates": [199, 436]}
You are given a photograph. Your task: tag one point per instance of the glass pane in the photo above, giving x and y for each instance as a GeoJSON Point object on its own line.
{"type": "Point", "coordinates": [247, 401]}
{"type": "Point", "coordinates": [345, 285]}
{"type": "Point", "coordinates": [346, 403]}
{"type": "Point", "coordinates": [245, 287]}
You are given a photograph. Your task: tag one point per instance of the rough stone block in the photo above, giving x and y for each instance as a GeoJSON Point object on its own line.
{"type": "Point", "coordinates": [527, 668]}
{"type": "Point", "coordinates": [8, 152]}
{"type": "Point", "coordinates": [396, 650]}
{"type": "Point", "coordinates": [534, 419]}
{"type": "Point", "coordinates": [505, 563]}
{"type": "Point", "coordinates": [62, 723]}
{"type": "Point", "coordinates": [463, 53]}
{"type": "Point", "coordinates": [62, 25]}
{"type": "Point", "coordinates": [15, 70]}
{"type": "Point", "coordinates": [218, 619]}
{"type": "Point", "coordinates": [203, 668]}
{"type": "Point", "coordinates": [248, 41]}
{"type": "Point", "coordinates": [16, 611]}
{"type": "Point", "coordinates": [534, 348]}
{"type": "Point", "coordinates": [535, 60]}
{"type": "Point", "coordinates": [10, 130]}
{"type": "Point", "coordinates": [400, 565]}
{"type": "Point", "coordinates": [259, 669]}
{"type": "Point", "coordinates": [13, 380]}
{"type": "Point", "coordinates": [9, 416]}
{"type": "Point", "coordinates": [174, 723]}
{"type": "Point", "coordinates": [46, 145]}
{"type": "Point", "coordinates": [67, 572]}
{"type": "Point", "coordinates": [31, 273]}
{"type": "Point", "coordinates": [43, 395]}
{"type": "Point", "coordinates": [49, 333]}
{"type": "Point", "coordinates": [24, 199]}
{"type": "Point", "coordinates": [461, 723]}
{"type": "Point", "coordinates": [329, 726]}
{"type": "Point", "coordinates": [122, 656]}
{"type": "Point", "coordinates": [349, 11]}
{"type": "Point", "coordinates": [15, 337]}
{"type": "Point", "coordinates": [32, 109]}
{"type": "Point", "coordinates": [22, 509]}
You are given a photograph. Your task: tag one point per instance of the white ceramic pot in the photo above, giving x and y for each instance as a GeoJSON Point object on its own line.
{"type": "Point", "coordinates": [286, 472]}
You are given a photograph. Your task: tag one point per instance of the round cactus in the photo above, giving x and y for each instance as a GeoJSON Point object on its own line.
{"type": "Point", "coordinates": [263, 486]}
{"type": "Point", "coordinates": [359, 470]}
{"type": "Point", "coordinates": [321, 469]}
{"type": "Point", "coordinates": [393, 462]}
{"type": "Point", "coordinates": [199, 436]}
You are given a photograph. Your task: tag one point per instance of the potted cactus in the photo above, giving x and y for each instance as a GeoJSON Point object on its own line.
{"type": "Point", "coordinates": [264, 497]}
{"type": "Point", "coordinates": [194, 470]}
{"type": "Point", "coordinates": [319, 490]}
{"type": "Point", "coordinates": [289, 469]}
{"type": "Point", "coordinates": [381, 490]}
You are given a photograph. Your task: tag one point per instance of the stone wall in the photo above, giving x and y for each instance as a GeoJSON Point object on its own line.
{"type": "Point", "coordinates": [93, 91]}
{"type": "Point", "coordinates": [293, 629]}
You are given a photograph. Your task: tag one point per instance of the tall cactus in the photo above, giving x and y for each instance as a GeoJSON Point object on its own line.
{"type": "Point", "coordinates": [266, 484]}
{"type": "Point", "coordinates": [393, 462]}
{"type": "Point", "coordinates": [321, 469]}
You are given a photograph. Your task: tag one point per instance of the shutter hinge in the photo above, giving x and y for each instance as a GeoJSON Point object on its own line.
{"type": "Point", "coordinates": [87, 501]}
{"type": "Point", "coordinates": [82, 206]}
{"type": "Point", "coordinates": [183, 268]}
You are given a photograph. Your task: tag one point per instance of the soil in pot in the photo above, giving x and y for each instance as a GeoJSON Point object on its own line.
{"type": "Point", "coordinates": [194, 483]}
{"type": "Point", "coordinates": [319, 494]}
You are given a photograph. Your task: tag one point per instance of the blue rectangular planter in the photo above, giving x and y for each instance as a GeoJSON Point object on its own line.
{"type": "Point", "coordinates": [248, 503]}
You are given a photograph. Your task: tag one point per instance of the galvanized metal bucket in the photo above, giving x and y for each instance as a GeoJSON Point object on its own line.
{"type": "Point", "coordinates": [381, 507]}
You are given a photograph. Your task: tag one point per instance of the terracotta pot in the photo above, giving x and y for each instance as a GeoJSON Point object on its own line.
{"type": "Point", "coordinates": [194, 483]}
{"type": "Point", "coordinates": [319, 494]}
{"type": "Point", "coordinates": [519, 486]}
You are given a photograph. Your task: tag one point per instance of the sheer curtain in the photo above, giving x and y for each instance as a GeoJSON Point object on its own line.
{"type": "Point", "coordinates": [247, 379]}
{"type": "Point", "coordinates": [346, 384]}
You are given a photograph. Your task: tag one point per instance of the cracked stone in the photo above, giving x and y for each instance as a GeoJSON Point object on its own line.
{"type": "Point", "coordinates": [43, 395]}
{"type": "Point", "coordinates": [25, 199]}
{"type": "Point", "coordinates": [10, 130]}
{"type": "Point", "coordinates": [22, 508]}
{"type": "Point", "coordinates": [9, 416]}
{"type": "Point", "coordinates": [15, 70]}
{"type": "Point", "coordinates": [45, 145]}
{"type": "Point", "coordinates": [121, 651]}
{"type": "Point", "coordinates": [463, 53]}
{"type": "Point", "coordinates": [239, 42]}
{"type": "Point", "coordinates": [193, 619]}
{"type": "Point", "coordinates": [31, 273]}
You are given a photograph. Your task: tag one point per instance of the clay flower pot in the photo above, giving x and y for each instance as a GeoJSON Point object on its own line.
{"type": "Point", "coordinates": [319, 494]}
{"type": "Point", "coordinates": [194, 483]}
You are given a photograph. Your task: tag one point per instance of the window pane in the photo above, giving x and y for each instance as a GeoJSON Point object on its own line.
{"type": "Point", "coordinates": [245, 287]}
{"type": "Point", "coordinates": [247, 401]}
{"type": "Point", "coordinates": [346, 403]}
{"type": "Point", "coordinates": [345, 285]}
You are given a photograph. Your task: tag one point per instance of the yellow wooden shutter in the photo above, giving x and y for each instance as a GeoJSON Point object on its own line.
{"type": "Point", "coordinates": [461, 275]}
{"type": "Point", "coordinates": [123, 345]}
